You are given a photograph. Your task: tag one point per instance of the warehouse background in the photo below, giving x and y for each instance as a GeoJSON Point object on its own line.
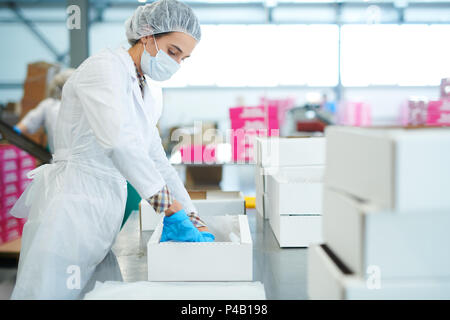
{"type": "Point", "coordinates": [382, 51]}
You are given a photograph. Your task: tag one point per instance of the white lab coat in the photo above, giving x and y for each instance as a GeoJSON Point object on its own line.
{"type": "Point", "coordinates": [106, 134]}
{"type": "Point", "coordinates": [45, 114]}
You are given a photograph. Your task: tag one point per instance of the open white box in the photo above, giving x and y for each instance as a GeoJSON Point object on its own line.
{"type": "Point", "coordinates": [185, 261]}
{"type": "Point", "coordinates": [296, 192]}
{"type": "Point", "coordinates": [329, 279]}
{"type": "Point", "coordinates": [207, 203]}
{"type": "Point", "coordinates": [148, 218]}
{"type": "Point", "coordinates": [290, 151]}
{"type": "Point", "coordinates": [399, 169]}
{"type": "Point", "coordinates": [401, 245]}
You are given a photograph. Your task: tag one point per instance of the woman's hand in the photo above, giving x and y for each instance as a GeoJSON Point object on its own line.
{"type": "Point", "coordinates": [175, 207]}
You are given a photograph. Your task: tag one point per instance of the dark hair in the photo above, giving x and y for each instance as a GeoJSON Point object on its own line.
{"type": "Point", "coordinates": [157, 36]}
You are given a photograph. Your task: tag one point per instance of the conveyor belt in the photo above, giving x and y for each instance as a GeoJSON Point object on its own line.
{"type": "Point", "coordinates": [24, 143]}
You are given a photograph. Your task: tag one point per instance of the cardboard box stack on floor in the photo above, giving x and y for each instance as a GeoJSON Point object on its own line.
{"type": "Point", "coordinates": [288, 178]}
{"type": "Point", "coordinates": [35, 89]}
{"type": "Point", "coordinates": [386, 216]}
{"type": "Point", "coordinates": [14, 165]}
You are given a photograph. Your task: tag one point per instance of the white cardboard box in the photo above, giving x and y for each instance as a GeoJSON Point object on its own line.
{"type": "Point", "coordinates": [146, 290]}
{"type": "Point", "coordinates": [292, 230]}
{"type": "Point", "coordinates": [296, 230]}
{"type": "Point", "coordinates": [400, 245]}
{"type": "Point", "coordinates": [296, 192]}
{"type": "Point", "coordinates": [218, 203]}
{"type": "Point", "coordinates": [259, 205]}
{"type": "Point", "coordinates": [399, 169]}
{"type": "Point", "coordinates": [290, 151]}
{"type": "Point", "coordinates": [227, 261]}
{"type": "Point", "coordinates": [261, 174]}
{"type": "Point", "coordinates": [148, 218]}
{"type": "Point", "coordinates": [207, 203]}
{"type": "Point", "coordinates": [329, 280]}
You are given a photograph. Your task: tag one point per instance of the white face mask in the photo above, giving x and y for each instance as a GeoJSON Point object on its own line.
{"type": "Point", "coordinates": [161, 67]}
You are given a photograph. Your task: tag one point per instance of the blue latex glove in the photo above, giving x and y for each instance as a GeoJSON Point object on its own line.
{"type": "Point", "coordinates": [179, 228]}
{"type": "Point", "coordinates": [16, 129]}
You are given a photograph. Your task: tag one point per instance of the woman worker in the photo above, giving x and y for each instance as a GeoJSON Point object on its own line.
{"type": "Point", "coordinates": [106, 134]}
{"type": "Point", "coordinates": [46, 112]}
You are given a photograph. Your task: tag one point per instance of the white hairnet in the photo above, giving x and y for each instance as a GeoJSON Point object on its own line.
{"type": "Point", "coordinates": [57, 83]}
{"type": "Point", "coordinates": [160, 17]}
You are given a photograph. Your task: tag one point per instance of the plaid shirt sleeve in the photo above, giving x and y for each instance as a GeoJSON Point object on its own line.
{"type": "Point", "coordinates": [163, 200]}
{"type": "Point", "coordinates": [196, 220]}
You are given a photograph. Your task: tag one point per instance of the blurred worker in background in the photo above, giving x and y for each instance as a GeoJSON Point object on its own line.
{"type": "Point", "coordinates": [46, 112]}
{"type": "Point", "coordinates": [106, 135]}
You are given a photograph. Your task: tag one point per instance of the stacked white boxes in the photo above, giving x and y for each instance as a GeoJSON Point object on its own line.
{"type": "Point", "coordinates": [386, 216]}
{"type": "Point", "coordinates": [288, 177]}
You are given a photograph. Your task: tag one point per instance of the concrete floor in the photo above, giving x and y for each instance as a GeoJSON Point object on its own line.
{"type": "Point", "coordinates": [282, 271]}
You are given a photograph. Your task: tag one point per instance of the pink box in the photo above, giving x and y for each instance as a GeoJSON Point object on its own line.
{"type": "Point", "coordinates": [11, 223]}
{"type": "Point", "coordinates": [438, 118]}
{"type": "Point", "coordinates": [8, 152]}
{"type": "Point", "coordinates": [244, 112]}
{"type": "Point", "coordinates": [439, 106]}
{"type": "Point", "coordinates": [414, 112]}
{"type": "Point", "coordinates": [27, 162]}
{"type": "Point", "coordinates": [198, 153]}
{"type": "Point", "coordinates": [11, 228]}
{"type": "Point", "coordinates": [9, 165]}
{"type": "Point", "coordinates": [243, 154]}
{"type": "Point", "coordinates": [9, 177]}
{"type": "Point", "coordinates": [354, 114]}
{"type": "Point", "coordinates": [445, 88]}
{"type": "Point", "coordinates": [255, 124]}
{"type": "Point", "coordinates": [242, 143]}
{"type": "Point", "coordinates": [23, 173]}
{"type": "Point", "coordinates": [9, 189]}
{"type": "Point", "coordinates": [7, 202]}
{"type": "Point", "coordinates": [22, 153]}
{"type": "Point", "coordinates": [10, 235]}
{"type": "Point", "coordinates": [282, 105]}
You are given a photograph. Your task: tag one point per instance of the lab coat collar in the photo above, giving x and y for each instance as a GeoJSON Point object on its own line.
{"type": "Point", "coordinates": [129, 63]}
{"type": "Point", "coordinates": [131, 68]}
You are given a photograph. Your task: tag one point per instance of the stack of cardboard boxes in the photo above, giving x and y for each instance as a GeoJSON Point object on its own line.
{"type": "Point", "coordinates": [35, 89]}
{"type": "Point", "coordinates": [386, 216]}
{"type": "Point", "coordinates": [14, 166]}
{"type": "Point", "coordinates": [288, 178]}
